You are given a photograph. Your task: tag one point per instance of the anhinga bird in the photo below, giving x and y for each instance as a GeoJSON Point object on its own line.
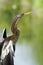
{"type": "Point", "coordinates": [8, 60]}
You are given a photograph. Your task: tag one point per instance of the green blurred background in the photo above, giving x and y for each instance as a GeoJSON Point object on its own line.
{"type": "Point", "coordinates": [31, 25]}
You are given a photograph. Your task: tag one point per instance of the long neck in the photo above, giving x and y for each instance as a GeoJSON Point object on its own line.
{"type": "Point", "coordinates": [14, 25]}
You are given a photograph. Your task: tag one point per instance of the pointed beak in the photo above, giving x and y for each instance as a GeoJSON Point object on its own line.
{"type": "Point", "coordinates": [20, 15]}
{"type": "Point", "coordinates": [27, 13]}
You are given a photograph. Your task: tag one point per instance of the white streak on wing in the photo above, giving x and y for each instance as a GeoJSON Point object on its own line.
{"type": "Point", "coordinates": [1, 36]}
{"type": "Point", "coordinates": [8, 48]}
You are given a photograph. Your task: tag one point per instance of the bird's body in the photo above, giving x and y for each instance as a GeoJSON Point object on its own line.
{"type": "Point", "coordinates": [8, 58]}
{"type": "Point", "coordinates": [13, 37]}
{"type": "Point", "coordinates": [10, 41]}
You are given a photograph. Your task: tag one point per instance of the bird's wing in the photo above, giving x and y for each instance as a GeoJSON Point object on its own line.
{"type": "Point", "coordinates": [6, 50]}
{"type": "Point", "coordinates": [2, 37]}
{"type": "Point", "coordinates": [4, 34]}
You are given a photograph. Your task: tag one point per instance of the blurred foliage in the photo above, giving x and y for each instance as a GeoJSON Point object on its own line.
{"type": "Point", "coordinates": [31, 26]}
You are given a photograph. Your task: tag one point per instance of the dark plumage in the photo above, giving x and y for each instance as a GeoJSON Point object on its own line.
{"type": "Point", "coordinates": [8, 60]}
{"type": "Point", "coordinates": [4, 34]}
